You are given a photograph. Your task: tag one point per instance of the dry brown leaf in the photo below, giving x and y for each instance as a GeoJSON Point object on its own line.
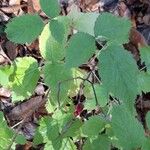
{"type": "Point", "coordinates": [137, 38]}
{"type": "Point", "coordinates": [11, 49]}
{"type": "Point", "coordinates": [25, 109]}
{"type": "Point", "coordinates": [146, 19]}
{"type": "Point", "coordinates": [12, 9]}
{"type": "Point", "coordinates": [33, 6]}
{"type": "Point", "coordinates": [4, 92]}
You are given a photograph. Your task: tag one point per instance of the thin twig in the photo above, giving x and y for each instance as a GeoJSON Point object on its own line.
{"type": "Point", "coordinates": [77, 78]}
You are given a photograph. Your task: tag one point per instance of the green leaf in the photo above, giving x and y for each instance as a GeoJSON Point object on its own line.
{"type": "Point", "coordinates": [93, 126]}
{"type": "Point", "coordinates": [50, 7]}
{"type": "Point", "coordinates": [102, 142]}
{"type": "Point", "coordinates": [61, 144]}
{"type": "Point", "coordinates": [20, 139]}
{"type": "Point", "coordinates": [127, 129]}
{"type": "Point", "coordinates": [102, 95]}
{"type": "Point", "coordinates": [71, 127]}
{"type": "Point", "coordinates": [148, 119]}
{"type": "Point", "coordinates": [145, 55]}
{"type": "Point", "coordinates": [146, 144]}
{"type": "Point", "coordinates": [5, 133]}
{"type": "Point", "coordinates": [25, 28]}
{"type": "Point", "coordinates": [144, 82]}
{"type": "Point", "coordinates": [5, 72]}
{"type": "Point", "coordinates": [80, 48]}
{"type": "Point", "coordinates": [24, 77]}
{"type": "Point", "coordinates": [57, 30]}
{"type": "Point", "coordinates": [118, 71]}
{"type": "Point", "coordinates": [50, 48]}
{"type": "Point", "coordinates": [112, 27]}
{"type": "Point", "coordinates": [83, 22]}
{"type": "Point", "coordinates": [90, 104]}
{"type": "Point", "coordinates": [55, 73]}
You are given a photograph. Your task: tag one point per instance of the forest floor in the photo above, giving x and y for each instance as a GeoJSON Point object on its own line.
{"type": "Point", "coordinates": [138, 11]}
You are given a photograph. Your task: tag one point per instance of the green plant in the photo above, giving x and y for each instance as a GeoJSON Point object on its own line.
{"type": "Point", "coordinates": [120, 78]}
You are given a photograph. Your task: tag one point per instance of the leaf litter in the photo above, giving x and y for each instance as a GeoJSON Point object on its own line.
{"type": "Point", "coordinates": [138, 11]}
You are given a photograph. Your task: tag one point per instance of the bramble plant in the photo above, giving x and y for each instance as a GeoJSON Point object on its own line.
{"type": "Point", "coordinates": [116, 125]}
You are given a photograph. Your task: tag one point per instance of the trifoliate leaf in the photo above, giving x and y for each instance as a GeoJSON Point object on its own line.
{"type": "Point", "coordinates": [93, 126]}
{"type": "Point", "coordinates": [24, 29]}
{"type": "Point", "coordinates": [83, 22]}
{"type": "Point", "coordinates": [118, 71]}
{"type": "Point", "coordinates": [145, 55]}
{"type": "Point", "coordinates": [127, 129]}
{"type": "Point", "coordinates": [57, 30]}
{"type": "Point", "coordinates": [24, 77]}
{"type": "Point", "coordinates": [80, 48]}
{"type": "Point", "coordinates": [144, 82]}
{"type": "Point", "coordinates": [112, 27]}
{"type": "Point", "coordinates": [50, 7]}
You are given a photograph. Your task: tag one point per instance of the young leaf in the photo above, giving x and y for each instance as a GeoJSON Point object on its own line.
{"type": "Point", "coordinates": [24, 77]}
{"type": "Point", "coordinates": [112, 27]}
{"type": "Point", "coordinates": [145, 55]}
{"type": "Point", "coordinates": [57, 30]}
{"type": "Point", "coordinates": [127, 129]}
{"type": "Point", "coordinates": [49, 47]}
{"type": "Point", "coordinates": [5, 72]}
{"type": "Point", "coordinates": [24, 29]}
{"type": "Point", "coordinates": [80, 48]}
{"type": "Point", "coordinates": [50, 7]}
{"type": "Point", "coordinates": [5, 133]}
{"type": "Point", "coordinates": [93, 126]}
{"type": "Point", "coordinates": [119, 72]}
